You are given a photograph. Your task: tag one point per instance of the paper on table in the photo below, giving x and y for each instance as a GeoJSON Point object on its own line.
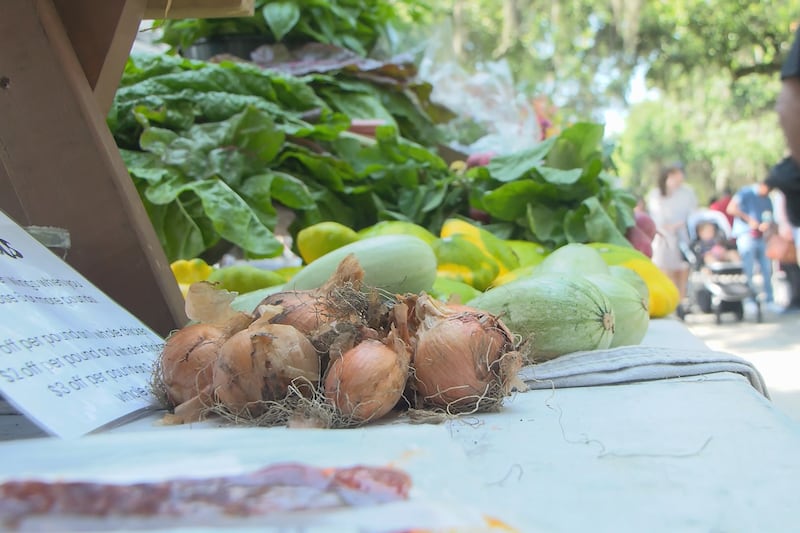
{"type": "Point", "coordinates": [445, 494]}
{"type": "Point", "coordinates": [71, 358]}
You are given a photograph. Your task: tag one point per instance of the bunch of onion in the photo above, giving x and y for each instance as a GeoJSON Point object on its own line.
{"type": "Point", "coordinates": [186, 363]}
{"type": "Point", "coordinates": [363, 383]}
{"type": "Point", "coordinates": [465, 360]}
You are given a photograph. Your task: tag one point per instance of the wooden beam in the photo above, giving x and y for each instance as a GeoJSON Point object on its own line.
{"type": "Point", "coordinates": [102, 34]}
{"type": "Point", "coordinates": [179, 9]}
{"type": "Point", "coordinates": [63, 168]}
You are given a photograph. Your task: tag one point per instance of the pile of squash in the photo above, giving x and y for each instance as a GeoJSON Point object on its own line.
{"type": "Point", "coordinates": [469, 265]}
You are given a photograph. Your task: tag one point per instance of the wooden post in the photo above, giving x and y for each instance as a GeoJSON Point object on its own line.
{"type": "Point", "coordinates": [102, 34]}
{"type": "Point", "coordinates": [60, 166]}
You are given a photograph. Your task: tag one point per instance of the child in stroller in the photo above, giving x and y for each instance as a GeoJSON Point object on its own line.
{"type": "Point", "coordinates": [717, 282]}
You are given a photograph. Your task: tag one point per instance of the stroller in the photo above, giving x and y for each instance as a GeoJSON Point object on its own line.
{"type": "Point", "coordinates": [718, 286]}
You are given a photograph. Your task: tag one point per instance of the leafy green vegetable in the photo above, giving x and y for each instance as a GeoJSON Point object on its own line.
{"type": "Point", "coordinates": [358, 25]}
{"type": "Point", "coordinates": [213, 147]}
{"type": "Point", "coordinates": [556, 192]}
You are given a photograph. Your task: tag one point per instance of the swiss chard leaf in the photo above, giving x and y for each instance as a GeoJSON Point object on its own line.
{"type": "Point", "coordinates": [233, 219]}
{"type": "Point", "coordinates": [178, 232]}
{"type": "Point", "coordinates": [254, 132]}
{"type": "Point", "coordinates": [157, 140]}
{"type": "Point", "coordinates": [321, 168]}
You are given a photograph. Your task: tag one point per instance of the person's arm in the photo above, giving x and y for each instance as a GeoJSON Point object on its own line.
{"type": "Point", "coordinates": [735, 211]}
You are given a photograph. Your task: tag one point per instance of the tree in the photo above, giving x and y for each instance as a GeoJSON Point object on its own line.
{"type": "Point", "coordinates": [583, 53]}
{"type": "Point", "coordinates": [701, 127]}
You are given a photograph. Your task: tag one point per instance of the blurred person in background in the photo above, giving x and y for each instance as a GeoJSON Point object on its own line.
{"type": "Point", "coordinates": [753, 211]}
{"type": "Point", "coordinates": [791, 269]}
{"type": "Point", "coordinates": [669, 205]}
{"type": "Point", "coordinates": [721, 204]}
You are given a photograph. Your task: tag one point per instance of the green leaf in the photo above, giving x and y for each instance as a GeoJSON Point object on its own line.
{"type": "Point", "coordinates": [510, 201]}
{"type": "Point", "coordinates": [279, 186]}
{"type": "Point", "coordinates": [358, 105]}
{"type": "Point", "coordinates": [281, 17]}
{"type": "Point", "coordinates": [291, 192]}
{"type": "Point", "coordinates": [167, 190]}
{"type": "Point", "coordinates": [179, 234]}
{"type": "Point", "coordinates": [560, 177]}
{"type": "Point", "coordinates": [567, 186]}
{"type": "Point", "coordinates": [254, 132]}
{"type": "Point", "coordinates": [547, 224]}
{"type": "Point", "coordinates": [227, 163]}
{"type": "Point", "coordinates": [191, 159]}
{"type": "Point", "coordinates": [591, 223]}
{"type": "Point", "coordinates": [434, 198]}
{"type": "Point", "coordinates": [157, 140]}
{"type": "Point", "coordinates": [576, 146]}
{"type": "Point", "coordinates": [322, 168]}
{"type": "Point", "coordinates": [513, 166]}
{"type": "Point", "coordinates": [234, 220]}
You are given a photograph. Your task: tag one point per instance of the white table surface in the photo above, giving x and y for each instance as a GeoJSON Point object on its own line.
{"type": "Point", "coordinates": [702, 453]}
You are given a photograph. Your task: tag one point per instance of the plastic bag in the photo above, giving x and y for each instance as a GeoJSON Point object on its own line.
{"type": "Point", "coordinates": [487, 96]}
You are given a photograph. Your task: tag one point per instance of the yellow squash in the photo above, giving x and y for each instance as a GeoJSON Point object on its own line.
{"type": "Point", "coordinates": [318, 239]}
{"type": "Point", "coordinates": [664, 296]}
{"type": "Point", "coordinates": [495, 249]}
{"type": "Point", "coordinates": [188, 271]}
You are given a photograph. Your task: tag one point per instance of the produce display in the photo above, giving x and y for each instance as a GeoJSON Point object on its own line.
{"type": "Point", "coordinates": [383, 324]}
{"type": "Point", "coordinates": [339, 353]}
{"type": "Point", "coordinates": [468, 264]}
{"type": "Point", "coordinates": [217, 148]}
{"type": "Point", "coordinates": [494, 261]}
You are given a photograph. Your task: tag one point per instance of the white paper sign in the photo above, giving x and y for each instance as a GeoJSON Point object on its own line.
{"type": "Point", "coordinates": [71, 358]}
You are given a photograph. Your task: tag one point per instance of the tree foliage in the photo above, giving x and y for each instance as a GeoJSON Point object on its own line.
{"type": "Point", "coordinates": [583, 53]}
{"type": "Point", "coordinates": [713, 63]}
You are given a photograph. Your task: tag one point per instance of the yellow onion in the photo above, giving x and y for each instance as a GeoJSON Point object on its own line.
{"type": "Point", "coordinates": [304, 310]}
{"type": "Point", "coordinates": [260, 364]}
{"type": "Point", "coordinates": [185, 366]}
{"type": "Point", "coordinates": [187, 361]}
{"type": "Point", "coordinates": [368, 380]}
{"type": "Point", "coordinates": [339, 299]}
{"type": "Point", "coordinates": [465, 360]}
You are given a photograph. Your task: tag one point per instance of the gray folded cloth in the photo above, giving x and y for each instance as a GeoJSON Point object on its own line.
{"type": "Point", "coordinates": [629, 364]}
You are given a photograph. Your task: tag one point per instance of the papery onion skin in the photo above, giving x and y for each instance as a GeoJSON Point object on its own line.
{"type": "Point", "coordinates": [292, 361]}
{"type": "Point", "coordinates": [237, 379]}
{"type": "Point", "coordinates": [259, 364]}
{"type": "Point", "coordinates": [339, 299]}
{"type": "Point", "coordinates": [368, 380]}
{"type": "Point", "coordinates": [463, 361]}
{"type": "Point", "coordinates": [302, 309]}
{"type": "Point", "coordinates": [187, 361]}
